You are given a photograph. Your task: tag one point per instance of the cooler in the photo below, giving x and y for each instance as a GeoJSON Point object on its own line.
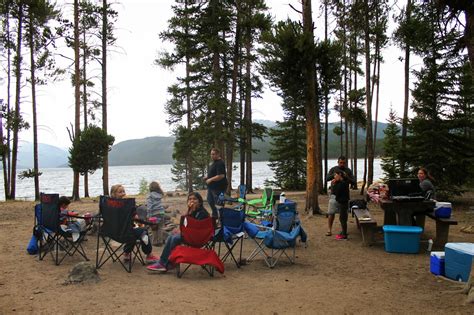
{"type": "Point", "coordinates": [437, 263]}
{"type": "Point", "coordinates": [402, 239]}
{"type": "Point", "coordinates": [443, 210]}
{"type": "Point", "coordinates": [458, 260]}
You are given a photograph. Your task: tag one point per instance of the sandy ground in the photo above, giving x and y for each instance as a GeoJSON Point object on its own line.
{"type": "Point", "coordinates": [331, 277]}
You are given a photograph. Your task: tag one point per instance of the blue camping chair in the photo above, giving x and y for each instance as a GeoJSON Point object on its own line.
{"type": "Point", "coordinates": [274, 242]}
{"type": "Point", "coordinates": [240, 200]}
{"type": "Point", "coordinates": [52, 238]}
{"type": "Point", "coordinates": [231, 233]}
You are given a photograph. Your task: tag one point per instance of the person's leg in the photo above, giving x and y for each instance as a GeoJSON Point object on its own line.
{"type": "Point", "coordinates": [145, 242]}
{"type": "Point", "coordinates": [171, 242]}
{"type": "Point", "coordinates": [211, 199]}
{"type": "Point", "coordinates": [343, 215]}
{"type": "Point", "coordinates": [332, 209]}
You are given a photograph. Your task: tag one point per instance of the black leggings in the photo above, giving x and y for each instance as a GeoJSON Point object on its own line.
{"type": "Point", "coordinates": [146, 248]}
{"type": "Point", "coordinates": [343, 215]}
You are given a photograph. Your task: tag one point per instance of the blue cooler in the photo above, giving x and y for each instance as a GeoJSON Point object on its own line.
{"type": "Point", "coordinates": [458, 260]}
{"type": "Point", "coordinates": [402, 239]}
{"type": "Point", "coordinates": [443, 210]}
{"type": "Point", "coordinates": [437, 263]}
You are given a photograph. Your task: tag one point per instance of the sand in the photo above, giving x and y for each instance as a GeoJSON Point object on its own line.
{"type": "Point", "coordinates": [330, 277]}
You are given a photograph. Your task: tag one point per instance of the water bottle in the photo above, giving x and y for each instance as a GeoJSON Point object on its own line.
{"type": "Point", "coordinates": [430, 244]}
{"type": "Point", "coordinates": [282, 197]}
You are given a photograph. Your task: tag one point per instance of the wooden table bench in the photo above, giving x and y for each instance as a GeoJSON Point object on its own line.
{"type": "Point", "coordinates": [442, 230]}
{"type": "Point", "coordinates": [366, 224]}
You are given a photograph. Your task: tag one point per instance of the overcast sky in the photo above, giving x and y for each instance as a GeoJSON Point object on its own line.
{"type": "Point", "coordinates": [137, 88]}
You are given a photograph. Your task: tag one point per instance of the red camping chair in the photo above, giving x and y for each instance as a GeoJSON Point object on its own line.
{"type": "Point", "coordinates": [197, 236]}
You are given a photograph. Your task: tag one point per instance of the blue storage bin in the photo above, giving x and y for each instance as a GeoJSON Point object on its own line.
{"type": "Point", "coordinates": [437, 263]}
{"type": "Point", "coordinates": [402, 239]}
{"type": "Point", "coordinates": [458, 260]}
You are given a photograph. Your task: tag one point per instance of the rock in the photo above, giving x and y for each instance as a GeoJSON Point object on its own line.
{"type": "Point", "coordinates": [470, 296]}
{"type": "Point", "coordinates": [83, 272]}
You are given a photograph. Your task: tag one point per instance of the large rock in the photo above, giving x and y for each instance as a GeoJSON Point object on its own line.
{"type": "Point", "coordinates": [83, 272]}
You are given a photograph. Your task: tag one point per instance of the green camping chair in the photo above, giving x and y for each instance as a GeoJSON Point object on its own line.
{"type": "Point", "coordinates": [261, 208]}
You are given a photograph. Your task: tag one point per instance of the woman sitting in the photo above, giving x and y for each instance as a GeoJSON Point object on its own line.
{"type": "Point", "coordinates": [118, 191]}
{"type": "Point", "coordinates": [195, 210]}
{"type": "Point", "coordinates": [426, 183]}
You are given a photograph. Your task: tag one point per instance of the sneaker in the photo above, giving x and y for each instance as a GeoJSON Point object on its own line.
{"type": "Point", "coordinates": [75, 237]}
{"type": "Point", "coordinates": [157, 267]}
{"type": "Point", "coordinates": [151, 259]}
{"type": "Point", "coordinates": [145, 238]}
{"type": "Point", "coordinates": [341, 237]}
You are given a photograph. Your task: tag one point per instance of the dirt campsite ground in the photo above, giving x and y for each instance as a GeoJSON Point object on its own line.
{"type": "Point", "coordinates": [330, 276]}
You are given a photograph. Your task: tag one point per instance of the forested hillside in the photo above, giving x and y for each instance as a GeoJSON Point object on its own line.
{"type": "Point", "coordinates": [159, 150]}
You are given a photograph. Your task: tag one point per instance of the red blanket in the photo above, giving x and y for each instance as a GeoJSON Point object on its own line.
{"type": "Point", "coordinates": [196, 256]}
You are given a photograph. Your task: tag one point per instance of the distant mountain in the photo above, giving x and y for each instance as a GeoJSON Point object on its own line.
{"type": "Point", "coordinates": [159, 150]}
{"type": "Point", "coordinates": [147, 151]}
{"type": "Point", "coordinates": [48, 155]}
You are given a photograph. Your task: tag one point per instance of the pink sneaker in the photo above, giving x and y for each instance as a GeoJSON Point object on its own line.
{"type": "Point", "coordinates": [151, 259]}
{"type": "Point", "coordinates": [341, 237]}
{"type": "Point", "coordinates": [157, 267]}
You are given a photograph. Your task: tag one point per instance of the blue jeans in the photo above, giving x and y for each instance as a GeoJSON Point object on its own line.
{"type": "Point", "coordinates": [171, 242]}
{"type": "Point", "coordinates": [212, 196]}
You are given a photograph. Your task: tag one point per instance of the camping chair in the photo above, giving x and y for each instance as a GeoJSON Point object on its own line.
{"type": "Point", "coordinates": [261, 209]}
{"type": "Point", "coordinates": [231, 233]}
{"type": "Point", "coordinates": [52, 237]}
{"type": "Point", "coordinates": [274, 242]}
{"type": "Point", "coordinates": [116, 225]}
{"type": "Point", "coordinates": [197, 248]}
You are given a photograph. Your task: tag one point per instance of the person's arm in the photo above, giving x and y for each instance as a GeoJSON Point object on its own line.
{"type": "Point", "coordinates": [215, 178]}
{"type": "Point", "coordinates": [350, 176]}
{"type": "Point", "coordinates": [330, 175]}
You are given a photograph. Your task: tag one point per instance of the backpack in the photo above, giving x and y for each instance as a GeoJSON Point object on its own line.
{"type": "Point", "coordinates": [32, 247]}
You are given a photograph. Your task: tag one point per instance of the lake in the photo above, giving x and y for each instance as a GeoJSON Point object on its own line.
{"type": "Point", "coordinates": [59, 180]}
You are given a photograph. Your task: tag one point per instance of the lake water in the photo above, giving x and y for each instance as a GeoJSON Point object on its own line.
{"type": "Point", "coordinates": [59, 180]}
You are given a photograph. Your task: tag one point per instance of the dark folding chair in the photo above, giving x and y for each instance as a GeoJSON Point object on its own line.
{"type": "Point", "coordinates": [231, 233]}
{"type": "Point", "coordinates": [116, 225]}
{"type": "Point", "coordinates": [52, 238]}
{"type": "Point", "coordinates": [197, 249]}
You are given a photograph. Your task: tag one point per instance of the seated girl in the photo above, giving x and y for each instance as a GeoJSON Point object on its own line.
{"type": "Point", "coordinates": [118, 191]}
{"type": "Point", "coordinates": [197, 211]}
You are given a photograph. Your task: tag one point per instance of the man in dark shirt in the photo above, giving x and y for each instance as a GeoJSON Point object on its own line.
{"type": "Point", "coordinates": [216, 180]}
{"type": "Point", "coordinates": [339, 197]}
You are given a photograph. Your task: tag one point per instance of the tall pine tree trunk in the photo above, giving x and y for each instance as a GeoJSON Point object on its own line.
{"type": "Point", "coordinates": [233, 96]}
{"type": "Point", "coordinates": [6, 151]}
{"type": "Point", "coordinates": [77, 93]}
{"type": "Point", "coordinates": [406, 91]}
{"type": "Point", "coordinates": [84, 96]}
{"type": "Point", "coordinates": [17, 117]}
{"type": "Point", "coordinates": [33, 103]}
{"type": "Point", "coordinates": [248, 113]}
{"type": "Point", "coordinates": [105, 169]}
{"type": "Point", "coordinates": [369, 138]}
{"type": "Point", "coordinates": [312, 133]}
{"type": "Point", "coordinates": [326, 107]}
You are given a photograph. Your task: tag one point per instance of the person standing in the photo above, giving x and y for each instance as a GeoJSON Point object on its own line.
{"type": "Point", "coordinates": [216, 180]}
{"type": "Point", "coordinates": [339, 204]}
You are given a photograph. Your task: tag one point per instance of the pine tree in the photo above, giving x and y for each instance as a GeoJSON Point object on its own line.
{"type": "Point", "coordinates": [391, 145]}
{"type": "Point", "coordinates": [438, 140]}
{"type": "Point", "coordinates": [288, 147]}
